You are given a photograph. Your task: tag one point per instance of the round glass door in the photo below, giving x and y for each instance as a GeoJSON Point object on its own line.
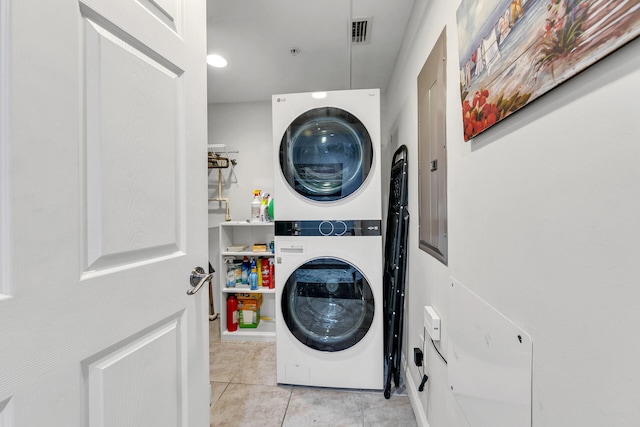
{"type": "Point", "coordinates": [326, 154]}
{"type": "Point", "coordinates": [327, 304]}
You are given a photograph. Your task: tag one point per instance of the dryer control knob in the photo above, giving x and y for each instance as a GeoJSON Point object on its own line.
{"type": "Point", "coordinates": [341, 228]}
{"type": "Point", "coordinates": [326, 228]}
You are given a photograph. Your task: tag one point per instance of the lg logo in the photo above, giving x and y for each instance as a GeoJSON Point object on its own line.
{"type": "Point", "coordinates": [281, 99]}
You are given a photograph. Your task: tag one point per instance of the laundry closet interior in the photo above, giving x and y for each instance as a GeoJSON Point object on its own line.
{"type": "Point", "coordinates": [311, 231]}
{"type": "Point", "coordinates": [542, 207]}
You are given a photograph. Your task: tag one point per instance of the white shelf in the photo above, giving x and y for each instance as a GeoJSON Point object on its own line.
{"type": "Point", "coordinates": [266, 331]}
{"type": "Point", "coordinates": [246, 224]}
{"type": "Point", "coordinates": [240, 290]}
{"type": "Point", "coordinates": [247, 254]}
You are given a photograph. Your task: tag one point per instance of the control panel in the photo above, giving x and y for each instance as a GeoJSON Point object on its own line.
{"type": "Point", "coordinates": [362, 227]}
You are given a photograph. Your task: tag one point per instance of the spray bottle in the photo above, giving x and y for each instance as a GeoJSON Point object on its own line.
{"type": "Point", "coordinates": [264, 215]}
{"type": "Point", "coordinates": [255, 206]}
{"type": "Point", "coordinates": [272, 276]}
{"type": "Point", "coordinates": [253, 276]}
{"type": "Point", "coordinates": [266, 277]}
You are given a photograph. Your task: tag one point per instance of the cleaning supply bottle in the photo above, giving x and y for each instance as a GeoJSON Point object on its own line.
{"type": "Point", "coordinates": [245, 271]}
{"type": "Point", "coordinates": [255, 206]}
{"type": "Point", "coordinates": [253, 276]}
{"type": "Point", "coordinates": [264, 215]}
{"type": "Point", "coordinates": [232, 313]}
{"type": "Point", "coordinates": [272, 275]}
{"type": "Point", "coordinates": [231, 272]}
{"type": "Point", "coordinates": [238, 272]}
{"type": "Point", "coordinates": [266, 277]}
{"type": "Point", "coordinates": [270, 209]}
{"type": "Point", "coordinates": [259, 268]}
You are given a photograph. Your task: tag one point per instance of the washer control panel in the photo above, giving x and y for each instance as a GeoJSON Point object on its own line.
{"type": "Point", "coordinates": [358, 227]}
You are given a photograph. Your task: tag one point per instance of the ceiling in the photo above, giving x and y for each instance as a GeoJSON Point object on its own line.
{"type": "Point", "coordinates": [257, 36]}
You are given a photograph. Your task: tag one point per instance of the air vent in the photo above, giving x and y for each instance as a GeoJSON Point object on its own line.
{"type": "Point", "coordinates": [360, 30]}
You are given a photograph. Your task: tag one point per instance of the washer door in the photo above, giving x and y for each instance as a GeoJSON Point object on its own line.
{"type": "Point", "coordinates": [327, 304]}
{"type": "Point", "coordinates": [326, 154]}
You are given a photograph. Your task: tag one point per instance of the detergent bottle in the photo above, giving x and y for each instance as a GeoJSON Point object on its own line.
{"type": "Point", "coordinates": [230, 278]}
{"type": "Point", "coordinates": [259, 268]}
{"type": "Point", "coordinates": [245, 269]}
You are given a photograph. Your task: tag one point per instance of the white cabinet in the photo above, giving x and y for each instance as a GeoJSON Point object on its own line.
{"type": "Point", "coordinates": [246, 233]}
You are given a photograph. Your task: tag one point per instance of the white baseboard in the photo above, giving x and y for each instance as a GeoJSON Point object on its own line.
{"type": "Point", "coordinates": [414, 398]}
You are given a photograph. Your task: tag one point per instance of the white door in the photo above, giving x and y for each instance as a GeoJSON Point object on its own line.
{"type": "Point", "coordinates": [102, 213]}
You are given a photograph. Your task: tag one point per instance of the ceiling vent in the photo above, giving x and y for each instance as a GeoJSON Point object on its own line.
{"type": "Point", "coordinates": [360, 30]}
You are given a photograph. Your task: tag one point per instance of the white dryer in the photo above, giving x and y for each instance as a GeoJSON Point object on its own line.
{"type": "Point", "coordinates": [329, 314]}
{"type": "Point", "coordinates": [327, 155]}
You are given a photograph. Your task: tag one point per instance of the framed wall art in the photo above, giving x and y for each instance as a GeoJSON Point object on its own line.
{"type": "Point", "coordinates": [512, 52]}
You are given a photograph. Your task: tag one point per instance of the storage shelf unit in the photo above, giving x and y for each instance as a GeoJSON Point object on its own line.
{"type": "Point", "coordinates": [248, 233]}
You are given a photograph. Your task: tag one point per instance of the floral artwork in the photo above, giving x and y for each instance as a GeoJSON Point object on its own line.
{"type": "Point", "coordinates": [512, 52]}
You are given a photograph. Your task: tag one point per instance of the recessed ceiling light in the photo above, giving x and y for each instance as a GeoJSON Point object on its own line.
{"type": "Point", "coordinates": [319, 95]}
{"type": "Point", "coordinates": [216, 61]}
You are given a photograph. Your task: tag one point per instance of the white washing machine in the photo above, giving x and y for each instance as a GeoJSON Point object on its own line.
{"type": "Point", "coordinates": [327, 155]}
{"type": "Point", "coordinates": [329, 314]}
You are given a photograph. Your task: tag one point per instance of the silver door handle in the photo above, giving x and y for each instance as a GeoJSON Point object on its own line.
{"type": "Point", "coordinates": [197, 279]}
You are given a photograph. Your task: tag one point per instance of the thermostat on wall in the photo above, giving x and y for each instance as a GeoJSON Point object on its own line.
{"type": "Point", "coordinates": [432, 322]}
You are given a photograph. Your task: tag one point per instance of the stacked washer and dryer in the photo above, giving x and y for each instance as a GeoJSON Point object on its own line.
{"type": "Point", "coordinates": [328, 270]}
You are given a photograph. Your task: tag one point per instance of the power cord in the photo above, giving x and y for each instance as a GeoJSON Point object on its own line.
{"type": "Point", "coordinates": [438, 351]}
{"type": "Point", "coordinates": [423, 382]}
{"type": "Point", "coordinates": [425, 377]}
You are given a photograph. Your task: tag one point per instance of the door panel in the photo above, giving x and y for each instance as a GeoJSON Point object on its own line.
{"type": "Point", "coordinates": [102, 213]}
{"type": "Point", "coordinates": [132, 152]}
{"type": "Point", "coordinates": [117, 379]}
{"type": "Point", "coordinates": [167, 11]}
{"type": "Point", "coordinates": [5, 408]}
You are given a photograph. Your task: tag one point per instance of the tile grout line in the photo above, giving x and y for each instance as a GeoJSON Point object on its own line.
{"type": "Point", "coordinates": [286, 409]}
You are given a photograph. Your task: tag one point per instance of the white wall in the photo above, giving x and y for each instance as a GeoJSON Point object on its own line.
{"type": "Point", "coordinates": [245, 127]}
{"type": "Point", "coordinates": [544, 225]}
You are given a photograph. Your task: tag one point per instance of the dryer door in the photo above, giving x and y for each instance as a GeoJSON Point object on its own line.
{"type": "Point", "coordinates": [326, 154]}
{"type": "Point", "coordinates": [327, 304]}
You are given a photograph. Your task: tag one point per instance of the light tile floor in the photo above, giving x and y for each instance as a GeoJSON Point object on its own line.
{"type": "Point", "coordinates": [245, 393]}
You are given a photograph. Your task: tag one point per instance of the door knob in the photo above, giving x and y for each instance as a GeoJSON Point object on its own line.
{"type": "Point", "coordinates": [197, 279]}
